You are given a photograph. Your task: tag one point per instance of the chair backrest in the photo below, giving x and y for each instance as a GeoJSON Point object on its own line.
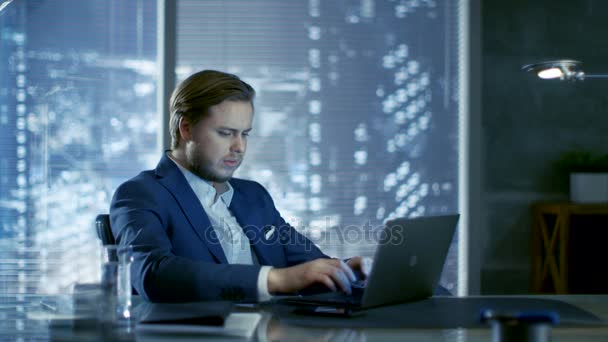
{"type": "Point", "coordinates": [104, 231]}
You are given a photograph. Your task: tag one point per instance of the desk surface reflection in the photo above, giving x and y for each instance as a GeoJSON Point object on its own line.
{"type": "Point", "coordinates": [21, 319]}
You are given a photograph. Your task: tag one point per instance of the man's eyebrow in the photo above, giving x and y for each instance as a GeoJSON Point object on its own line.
{"type": "Point", "coordinates": [234, 129]}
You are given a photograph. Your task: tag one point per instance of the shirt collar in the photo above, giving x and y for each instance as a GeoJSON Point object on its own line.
{"type": "Point", "coordinates": [203, 188]}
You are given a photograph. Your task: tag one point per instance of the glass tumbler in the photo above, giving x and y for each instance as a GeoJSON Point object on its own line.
{"type": "Point", "coordinates": [115, 304]}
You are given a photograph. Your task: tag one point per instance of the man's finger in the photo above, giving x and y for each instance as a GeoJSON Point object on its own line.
{"type": "Point", "coordinates": [327, 281]}
{"type": "Point", "coordinates": [366, 265]}
{"type": "Point", "coordinates": [349, 272]}
{"type": "Point", "coordinates": [339, 277]}
{"type": "Point", "coordinates": [361, 266]}
{"type": "Point", "coordinates": [341, 264]}
{"type": "Point", "coordinates": [354, 263]}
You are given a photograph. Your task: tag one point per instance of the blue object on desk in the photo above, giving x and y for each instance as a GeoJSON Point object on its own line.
{"type": "Point", "coordinates": [520, 326]}
{"type": "Point", "coordinates": [524, 317]}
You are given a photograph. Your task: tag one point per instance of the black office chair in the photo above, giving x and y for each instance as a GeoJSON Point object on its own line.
{"type": "Point", "coordinates": [104, 230]}
{"type": "Point", "coordinates": [104, 233]}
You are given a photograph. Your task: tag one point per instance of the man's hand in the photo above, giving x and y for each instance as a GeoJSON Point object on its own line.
{"type": "Point", "coordinates": [359, 266]}
{"type": "Point", "coordinates": [333, 273]}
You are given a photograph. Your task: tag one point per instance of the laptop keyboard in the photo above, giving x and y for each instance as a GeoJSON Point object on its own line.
{"type": "Point", "coordinates": [353, 299]}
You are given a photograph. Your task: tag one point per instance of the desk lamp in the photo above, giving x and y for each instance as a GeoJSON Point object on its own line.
{"type": "Point", "coordinates": [564, 69]}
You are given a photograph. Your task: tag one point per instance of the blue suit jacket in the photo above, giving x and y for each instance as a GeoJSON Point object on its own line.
{"type": "Point", "coordinates": [177, 256]}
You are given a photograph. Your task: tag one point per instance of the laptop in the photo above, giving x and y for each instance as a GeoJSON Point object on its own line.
{"type": "Point", "coordinates": [407, 266]}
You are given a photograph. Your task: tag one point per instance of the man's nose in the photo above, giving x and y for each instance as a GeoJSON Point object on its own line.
{"type": "Point", "coordinates": [238, 145]}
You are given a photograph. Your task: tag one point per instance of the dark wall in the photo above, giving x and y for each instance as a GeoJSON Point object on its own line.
{"type": "Point", "coordinates": [528, 122]}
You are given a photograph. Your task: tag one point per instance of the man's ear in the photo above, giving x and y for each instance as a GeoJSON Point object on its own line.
{"type": "Point", "coordinates": [185, 129]}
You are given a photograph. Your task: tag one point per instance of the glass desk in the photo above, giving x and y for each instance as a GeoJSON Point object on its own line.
{"type": "Point", "coordinates": [24, 318]}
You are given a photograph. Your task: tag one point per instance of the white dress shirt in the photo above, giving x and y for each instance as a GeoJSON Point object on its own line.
{"type": "Point", "coordinates": [230, 234]}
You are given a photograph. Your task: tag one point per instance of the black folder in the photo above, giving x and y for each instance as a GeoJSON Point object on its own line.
{"type": "Point", "coordinates": [192, 313]}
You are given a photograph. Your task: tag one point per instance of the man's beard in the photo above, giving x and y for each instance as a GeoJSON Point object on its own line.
{"type": "Point", "coordinates": [205, 169]}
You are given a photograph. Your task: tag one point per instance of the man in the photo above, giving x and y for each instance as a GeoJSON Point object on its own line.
{"type": "Point", "coordinates": [198, 233]}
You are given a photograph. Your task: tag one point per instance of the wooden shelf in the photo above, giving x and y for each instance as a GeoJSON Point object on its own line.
{"type": "Point", "coordinates": [549, 242]}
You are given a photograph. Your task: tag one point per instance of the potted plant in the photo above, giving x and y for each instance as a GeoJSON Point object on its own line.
{"type": "Point", "coordinates": [588, 176]}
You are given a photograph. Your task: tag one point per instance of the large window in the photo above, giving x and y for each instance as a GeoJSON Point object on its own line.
{"type": "Point", "coordinates": [77, 117]}
{"type": "Point", "coordinates": [357, 111]}
{"type": "Point", "coordinates": [356, 117]}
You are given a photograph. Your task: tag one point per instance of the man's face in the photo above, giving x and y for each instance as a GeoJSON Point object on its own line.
{"type": "Point", "coordinates": [217, 144]}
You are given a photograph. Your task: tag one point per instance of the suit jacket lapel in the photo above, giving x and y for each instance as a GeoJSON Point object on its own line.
{"type": "Point", "coordinates": [173, 179]}
{"type": "Point", "coordinates": [248, 215]}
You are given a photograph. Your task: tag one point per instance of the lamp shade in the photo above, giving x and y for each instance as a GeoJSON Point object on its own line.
{"type": "Point", "coordinates": [564, 69]}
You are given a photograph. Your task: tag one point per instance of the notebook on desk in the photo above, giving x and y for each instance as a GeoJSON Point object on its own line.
{"type": "Point", "coordinates": [206, 318]}
{"type": "Point", "coordinates": [197, 313]}
{"type": "Point", "coordinates": [407, 265]}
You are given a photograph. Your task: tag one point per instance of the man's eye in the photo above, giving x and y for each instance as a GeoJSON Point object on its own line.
{"type": "Point", "coordinates": [224, 133]}
{"type": "Point", "coordinates": [245, 134]}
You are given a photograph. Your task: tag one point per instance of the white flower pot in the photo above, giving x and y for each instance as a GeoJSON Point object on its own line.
{"type": "Point", "coordinates": [589, 187]}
